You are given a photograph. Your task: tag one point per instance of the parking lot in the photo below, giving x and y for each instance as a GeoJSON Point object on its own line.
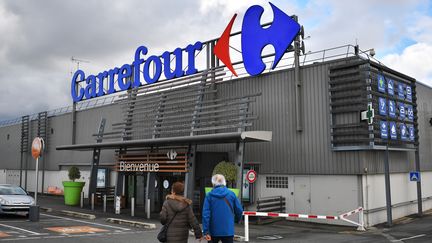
{"type": "Point", "coordinates": [52, 227]}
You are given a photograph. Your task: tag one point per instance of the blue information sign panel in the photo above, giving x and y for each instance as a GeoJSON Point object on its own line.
{"type": "Point", "coordinates": [392, 109]}
{"type": "Point", "coordinates": [410, 112]}
{"type": "Point", "coordinates": [384, 129]}
{"type": "Point", "coordinates": [408, 93]}
{"type": "Point", "coordinates": [402, 111]}
{"type": "Point", "coordinates": [382, 106]}
{"type": "Point", "coordinates": [393, 130]}
{"type": "Point", "coordinates": [414, 176]}
{"type": "Point", "coordinates": [381, 83]}
{"type": "Point", "coordinates": [390, 87]}
{"type": "Point", "coordinates": [411, 133]}
{"type": "Point", "coordinates": [401, 93]}
{"type": "Point", "coordinates": [403, 132]}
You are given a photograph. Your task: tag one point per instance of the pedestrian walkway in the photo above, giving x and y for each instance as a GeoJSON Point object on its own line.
{"type": "Point", "coordinates": [56, 203]}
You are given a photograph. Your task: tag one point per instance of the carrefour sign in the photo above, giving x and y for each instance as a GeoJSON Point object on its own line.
{"type": "Point", "coordinates": [280, 34]}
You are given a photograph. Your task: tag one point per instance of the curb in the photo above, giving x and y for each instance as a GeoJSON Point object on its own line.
{"type": "Point", "coordinates": [239, 238]}
{"type": "Point", "coordinates": [78, 214]}
{"type": "Point", "coordinates": [137, 224]}
{"type": "Point", "coordinates": [48, 210]}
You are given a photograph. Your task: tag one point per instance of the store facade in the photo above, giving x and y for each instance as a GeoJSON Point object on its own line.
{"type": "Point", "coordinates": [298, 123]}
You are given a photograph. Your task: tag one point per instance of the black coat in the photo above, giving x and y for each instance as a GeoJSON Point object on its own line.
{"type": "Point", "coordinates": [178, 230]}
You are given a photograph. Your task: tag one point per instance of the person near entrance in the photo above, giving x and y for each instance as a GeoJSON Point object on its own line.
{"type": "Point", "coordinates": [177, 211]}
{"type": "Point", "coordinates": [221, 209]}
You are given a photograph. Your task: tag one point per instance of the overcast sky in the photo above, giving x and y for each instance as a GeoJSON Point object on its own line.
{"type": "Point", "coordinates": [38, 38]}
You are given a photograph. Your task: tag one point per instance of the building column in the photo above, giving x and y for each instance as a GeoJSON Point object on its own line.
{"type": "Point", "coordinates": [150, 185]}
{"type": "Point", "coordinates": [190, 175]}
{"type": "Point", "coordinates": [240, 146]}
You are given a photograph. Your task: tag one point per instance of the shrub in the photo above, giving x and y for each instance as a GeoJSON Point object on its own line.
{"type": "Point", "coordinates": [227, 169]}
{"type": "Point", "coordinates": [74, 173]}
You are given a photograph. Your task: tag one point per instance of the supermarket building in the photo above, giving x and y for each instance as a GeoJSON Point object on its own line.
{"type": "Point", "coordinates": [299, 125]}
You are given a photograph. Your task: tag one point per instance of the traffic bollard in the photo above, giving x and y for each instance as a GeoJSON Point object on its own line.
{"type": "Point", "coordinates": [92, 201]}
{"type": "Point", "coordinates": [132, 206]}
{"type": "Point", "coordinates": [104, 203]}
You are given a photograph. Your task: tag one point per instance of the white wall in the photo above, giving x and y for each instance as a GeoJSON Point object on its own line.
{"type": "Point", "coordinates": [402, 191]}
{"type": "Point", "coordinates": [316, 194]}
{"type": "Point", "coordinates": [52, 178]}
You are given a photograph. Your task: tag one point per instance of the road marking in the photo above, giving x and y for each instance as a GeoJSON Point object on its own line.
{"type": "Point", "coordinates": [3, 234]}
{"type": "Point", "coordinates": [29, 238]}
{"type": "Point", "coordinates": [409, 238]}
{"type": "Point", "coordinates": [16, 228]}
{"type": "Point", "coordinates": [86, 222]}
{"type": "Point", "coordinates": [76, 229]}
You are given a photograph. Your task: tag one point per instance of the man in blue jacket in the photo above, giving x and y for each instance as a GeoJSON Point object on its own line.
{"type": "Point", "coordinates": [221, 209]}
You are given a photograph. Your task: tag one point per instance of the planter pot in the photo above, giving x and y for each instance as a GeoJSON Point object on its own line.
{"type": "Point", "coordinates": [72, 192]}
{"type": "Point", "coordinates": [235, 190]}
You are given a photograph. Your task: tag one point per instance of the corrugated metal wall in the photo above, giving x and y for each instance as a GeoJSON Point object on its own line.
{"type": "Point", "coordinates": [290, 152]}
{"type": "Point", "coordinates": [309, 151]}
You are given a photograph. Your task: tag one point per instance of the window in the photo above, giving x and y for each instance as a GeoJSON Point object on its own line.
{"type": "Point", "coordinates": [276, 181]}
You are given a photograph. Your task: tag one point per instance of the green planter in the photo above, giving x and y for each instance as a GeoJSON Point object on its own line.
{"type": "Point", "coordinates": [72, 192]}
{"type": "Point", "coordinates": [235, 190]}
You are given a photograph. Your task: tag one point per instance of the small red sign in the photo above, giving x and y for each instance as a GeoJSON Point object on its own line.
{"type": "Point", "coordinates": [251, 176]}
{"type": "Point", "coordinates": [37, 147]}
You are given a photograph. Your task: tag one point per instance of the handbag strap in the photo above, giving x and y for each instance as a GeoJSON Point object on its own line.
{"type": "Point", "coordinates": [176, 215]}
{"type": "Point", "coordinates": [229, 205]}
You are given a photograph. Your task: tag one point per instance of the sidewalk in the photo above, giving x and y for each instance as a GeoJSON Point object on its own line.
{"type": "Point", "coordinates": [56, 203]}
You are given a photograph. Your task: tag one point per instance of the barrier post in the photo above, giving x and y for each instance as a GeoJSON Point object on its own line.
{"type": "Point", "coordinates": [92, 201]}
{"type": "Point", "coordinates": [132, 206]}
{"type": "Point", "coordinates": [148, 208]}
{"type": "Point", "coordinates": [82, 199]}
{"type": "Point", "coordinates": [246, 225]}
{"type": "Point", "coordinates": [361, 221]}
{"type": "Point", "coordinates": [104, 203]}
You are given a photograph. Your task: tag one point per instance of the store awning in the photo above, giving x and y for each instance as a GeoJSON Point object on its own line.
{"type": "Point", "coordinates": [232, 137]}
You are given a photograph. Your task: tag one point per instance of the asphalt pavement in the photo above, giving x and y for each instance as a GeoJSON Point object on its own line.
{"type": "Point", "coordinates": [55, 226]}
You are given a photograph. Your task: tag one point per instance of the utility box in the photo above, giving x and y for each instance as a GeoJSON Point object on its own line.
{"type": "Point", "coordinates": [34, 213]}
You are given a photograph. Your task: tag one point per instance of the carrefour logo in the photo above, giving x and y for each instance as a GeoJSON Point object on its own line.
{"type": "Point", "coordinates": [280, 34]}
{"type": "Point", "coordinates": [254, 38]}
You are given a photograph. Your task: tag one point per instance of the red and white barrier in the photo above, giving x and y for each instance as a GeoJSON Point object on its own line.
{"type": "Point", "coordinates": [359, 210]}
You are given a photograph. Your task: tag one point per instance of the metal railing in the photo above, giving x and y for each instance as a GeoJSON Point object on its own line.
{"type": "Point", "coordinates": [84, 105]}
{"type": "Point", "coordinates": [285, 63]}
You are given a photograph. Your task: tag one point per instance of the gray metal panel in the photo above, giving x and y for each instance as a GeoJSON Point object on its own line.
{"type": "Point", "coordinates": [290, 152]}
{"type": "Point", "coordinates": [424, 106]}
{"type": "Point", "coordinates": [10, 148]}
{"type": "Point", "coordinates": [293, 152]}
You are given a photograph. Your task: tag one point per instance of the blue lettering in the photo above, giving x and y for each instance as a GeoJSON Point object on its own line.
{"type": "Point", "coordinates": [90, 89]}
{"type": "Point", "coordinates": [77, 97]}
{"type": "Point", "coordinates": [136, 63]}
{"type": "Point", "coordinates": [190, 49]}
{"type": "Point", "coordinates": [111, 79]}
{"type": "Point", "coordinates": [101, 76]}
{"type": "Point", "coordinates": [157, 69]}
{"type": "Point", "coordinates": [178, 70]}
{"type": "Point", "coordinates": [124, 73]}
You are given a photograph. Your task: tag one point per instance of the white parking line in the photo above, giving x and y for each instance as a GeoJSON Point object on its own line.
{"type": "Point", "coordinates": [86, 222]}
{"type": "Point", "coordinates": [16, 228]}
{"type": "Point", "coordinates": [409, 238]}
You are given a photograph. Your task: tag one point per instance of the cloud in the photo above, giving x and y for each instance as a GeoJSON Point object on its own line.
{"type": "Point", "coordinates": [415, 61]}
{"type": "Point", "coordinates": [39, 37]}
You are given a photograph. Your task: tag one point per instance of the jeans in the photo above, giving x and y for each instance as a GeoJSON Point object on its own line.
{"type": "Point", "coordinates": [224, 239]}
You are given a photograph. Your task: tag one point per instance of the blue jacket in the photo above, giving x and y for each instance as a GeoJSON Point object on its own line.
{"type": "Point", "coordinates": [217, 216]}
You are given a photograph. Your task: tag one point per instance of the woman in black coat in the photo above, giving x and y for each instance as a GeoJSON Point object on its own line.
{"type": "Point", "coordinates": [178, 230]}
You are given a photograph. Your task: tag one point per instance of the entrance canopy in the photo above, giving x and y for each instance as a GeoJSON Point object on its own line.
{"type": "Point", "coordinates": [231, 137]}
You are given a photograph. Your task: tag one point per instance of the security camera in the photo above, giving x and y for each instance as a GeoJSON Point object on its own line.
{"type": "Point", "coordinates": [372, 52]}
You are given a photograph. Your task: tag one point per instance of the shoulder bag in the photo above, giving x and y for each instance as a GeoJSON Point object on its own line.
{"type": "Point", "coordinates": [162, 235]}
